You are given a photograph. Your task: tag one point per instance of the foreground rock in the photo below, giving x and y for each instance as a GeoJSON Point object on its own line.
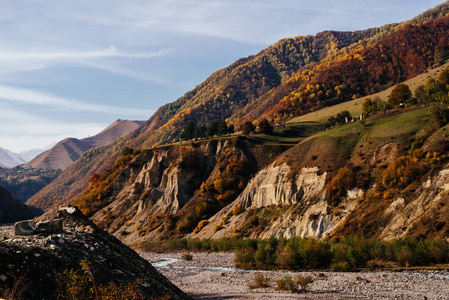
{"type": "Point", "coordinates": [39, 257]}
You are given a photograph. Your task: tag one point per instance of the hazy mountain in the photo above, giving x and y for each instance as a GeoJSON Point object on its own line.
{"type": "Point", "coordinates": [69, 150]}
{"type": "Point", "coordinates": [10, 159]}
{"type": "Point", "coordinates": [30, 154]}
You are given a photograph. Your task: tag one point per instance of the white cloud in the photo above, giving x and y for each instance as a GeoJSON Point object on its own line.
{"type": "Point", "coordinates": [17, 61]}
{"type": "Point", "coordinates": [20, 95]}
{"type": "Point", "coordinates": [21, 131]}
{"type": "Point", "coordinates": [70, 55]}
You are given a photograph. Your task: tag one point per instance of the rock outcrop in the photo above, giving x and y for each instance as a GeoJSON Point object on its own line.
{"type": "Point", "coordinates": [274, 187]}
{"type": "Point", "coordinates": [38, 258]}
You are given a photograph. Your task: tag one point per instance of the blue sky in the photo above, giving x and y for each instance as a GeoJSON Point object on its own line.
{"type": "Point", "coordinates": [70, 68]}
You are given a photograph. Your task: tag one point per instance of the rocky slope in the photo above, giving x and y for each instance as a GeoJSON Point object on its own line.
{"type": "Point", "coordinates": [39, 258]}
{"type": "Point", "coordinates": [168, 184]}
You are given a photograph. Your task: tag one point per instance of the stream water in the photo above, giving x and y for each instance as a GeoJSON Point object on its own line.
{"type": "Point", "coordinates": [166, 263]}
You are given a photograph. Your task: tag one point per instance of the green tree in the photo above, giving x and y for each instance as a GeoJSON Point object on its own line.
{"type": "Point", "coordinates": [421, 94]}
{"type": "Point", "coordinates": [443, 78]}
{"type": "Point", "coordinates": [265, 127]}
{"type": "Point", "coordinates": [400, 94]}
{"type": "Point", "coordinates": [212, 128]}
{"type": "Point", "coordinates": [343, 116]}
{"type": "Point", "coordinates": [247, 127]}
{"type": "Point", "coordinates": [441, 54]}
{"type": "Point", "coordinates": [188, 132]}
{"type": "Point", "coordinates": [202, 131]}
{"type": "Point", "coordinates": [222, 128]}
{"type": "Point", "coordinates": [368, 107]}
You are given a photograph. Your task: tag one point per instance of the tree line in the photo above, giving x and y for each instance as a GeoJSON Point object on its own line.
{"type": "Point", "coordinates": [220, 128]}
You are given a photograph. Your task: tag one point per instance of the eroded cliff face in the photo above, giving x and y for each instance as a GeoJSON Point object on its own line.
{"type": "Point", "coordinates": [424, 206]}
{"type": "Point", "coordinates": [194, 192]}
{"type": "Point", "coordinates": [307, 212]}
{"type": "Point", "coordinates": [273, 186]}
{"type": "Point", "coordinates": [158, 184]}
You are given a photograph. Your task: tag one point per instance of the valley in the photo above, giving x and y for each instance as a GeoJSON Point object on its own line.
{"type": "Point", "coordinates": [210, 276]}
{"type": "Point", "coordinates": [321, 160]}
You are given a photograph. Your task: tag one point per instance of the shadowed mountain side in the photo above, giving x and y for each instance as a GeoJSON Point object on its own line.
{"type": "Point", "coordinates": [11, 209]}
{"type": "Point", "coordinates": [69, 150]}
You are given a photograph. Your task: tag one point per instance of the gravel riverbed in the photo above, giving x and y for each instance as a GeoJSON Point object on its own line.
{"type": "Point", "coordinates": [213, 276]}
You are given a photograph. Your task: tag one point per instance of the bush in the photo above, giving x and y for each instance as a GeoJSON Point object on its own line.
{"type": "Point", "coordinates": [200, 226]}
{"type": "Point", "coordinates": [341, 266]}
{"type": "Point", "coordinates": [287, 284]}
{"type": "Point", "coordinates": [244, 259]}
{"type": "Point", "coordinates": [340, 183]}
{"type": "Point", "coordinates": [260, 281]}
{"type": "Point", "coordinates": [405, 257]}
{"type": "Point", "coordinates": [187, 256]}
{"type": "Point", "coordinates": [303, 281]}
{"type": "Point", "coordinates": [237, 210]}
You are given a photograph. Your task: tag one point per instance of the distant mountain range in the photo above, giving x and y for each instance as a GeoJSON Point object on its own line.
{"type": "Point", "coordinates": [61, 155]}
{"type": "Point", "coordinates": [64, 153]}
{"type": "Point", "coordinates": [10, 159]}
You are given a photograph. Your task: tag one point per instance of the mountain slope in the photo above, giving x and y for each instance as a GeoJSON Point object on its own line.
{"type": "Point", "coordinates": [9, 159]}
{"type": "Point", "coordinates": [11, 209]}
{"type": "Point", "coordinates": [277, 83]}
{"type": "Point", "coordinates": [69, 150]}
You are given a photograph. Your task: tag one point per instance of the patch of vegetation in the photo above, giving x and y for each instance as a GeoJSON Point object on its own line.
{"type": "Point", "coordinates": [342, 255]}
{"type": "Point", "coordinates": [23, 183]}
{"type": "Point", "coordinates": [100, 187]}
{"type": "Point", "coordinates": [260, 281]}
{"type": "Point", "coordinates": [77, 284]}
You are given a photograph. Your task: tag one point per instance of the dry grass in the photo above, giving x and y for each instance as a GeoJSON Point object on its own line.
{"type": "Point", "coordinates": [355, 106]}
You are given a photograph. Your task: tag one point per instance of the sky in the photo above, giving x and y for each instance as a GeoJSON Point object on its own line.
{"type": "Point", "coordinates": [70, 68]}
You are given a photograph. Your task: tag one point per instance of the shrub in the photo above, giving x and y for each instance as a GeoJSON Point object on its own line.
{"type": "Point", "coordinates": [341, 266]}
{"type": "Point", "coordinates": [260, 281]}
{"type": "Point", "coordinates": [218, 227]}
{"type": "Point", "coordinates": [237, 210]}
{"type": "Point", "coordinates": [244, 259]}
{"type": "Point", "coordinates": [187, 256]}
{"type": "Point", "coordinates": [339, 184]}
{"type": "Point", "coordinates": [73, 284]}
{"type": "Point", "coordinates": [286, 283]}
{"type": "Point", "coordinates": [405, 257]}
{"type": "Point", "coordinates": [303, 281]}
{"type": "Point", "coordinates": [200, 226]}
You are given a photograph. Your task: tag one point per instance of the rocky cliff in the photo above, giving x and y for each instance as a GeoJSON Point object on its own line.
{"type": "Point", "coordinates": [162, 187]}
